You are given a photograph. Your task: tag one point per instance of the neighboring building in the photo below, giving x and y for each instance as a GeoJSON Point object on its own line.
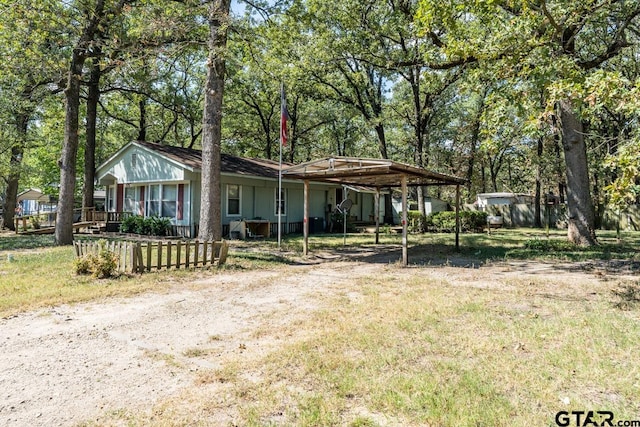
{"type": "Point", "coordinates": [431, 205]}
{"type": "Point", "coordinates": [509, 209]}
{"type": "Point", "coordinates": [487, 200]}
{"type": "Point", "coordinates": [152, 179]}
{"type": "Point", "coordinates": [33, 201]}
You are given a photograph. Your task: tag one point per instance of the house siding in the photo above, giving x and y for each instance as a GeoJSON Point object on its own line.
{"type": "Point", "coordinates": [148, 167]}
{"type": "Point", "coordinates": [139, 166]}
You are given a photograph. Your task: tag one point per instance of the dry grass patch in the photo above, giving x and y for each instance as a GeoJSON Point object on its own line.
{"type": "Point", "coordinates": [425, 354]}
{"type": "Point", "coordinates": [425, 346]}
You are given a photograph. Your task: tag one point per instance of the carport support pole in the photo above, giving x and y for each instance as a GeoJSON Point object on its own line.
{"type": "Point", "coordinates": [457, 217]}
{"type": "Point", "coordinates": [305, 221]}
{"type": "Point", "coordinates": [376, 212]}
{"type": "Point", "coordinates": [405, 255]}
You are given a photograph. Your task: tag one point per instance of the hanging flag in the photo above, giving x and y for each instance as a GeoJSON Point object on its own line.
{"type": "Point", "coordinates": [284, 116]}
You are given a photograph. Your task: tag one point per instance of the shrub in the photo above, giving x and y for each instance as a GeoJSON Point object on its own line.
{"type": "Point", "coordinates": [35, 222]}
{"type": "Point", "coordinates": [159, 226]}
{"type": "Point", "coordinates": [128, 224]}
{"type": "Point", "coordinates": [101, 265]}
{"type": "Point", "coordinates": [443, 221]}
{"type": "Point", "coordinates": [152, 226]}
{"type": "Point", "coordinates": [416, 221]}
{"type": "Point", "coordinates": [473, 220]}
{"type": "Point", "coordinates": [84, 265]}
{"type": "Point", "coordinates": [446, 221]}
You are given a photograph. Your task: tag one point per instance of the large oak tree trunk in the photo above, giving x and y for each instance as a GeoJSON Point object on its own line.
{"type": "Point", "coordinates": [210, 203]}
{"type": "Point", "coordinates": [15, 167]}
{"type": "Point", "coordinates": [581, 221]}
{"type": "Point", "coordinates": [93, 97]}
{"type": "Point", "coordinates": [11, 194]}
{"type": "Point", "coordinates": [67, 162]}
{"type": "Point", "coordinates": [98, 21]}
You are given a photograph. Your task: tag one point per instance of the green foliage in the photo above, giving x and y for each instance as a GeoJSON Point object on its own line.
{"type": "Point", "coordinates": [84, 264]}
{"type": "Point", "coordinates": [34, 221]}
{"type": "Point", "coordinates": [159, 226]}
{"type": "Point", "coordinates": [624, 190]}
{"type": "Point", "coordinates": [102, 265]}
{"type": "Point", "coordinates": [151, 226]}
{"type": "Point", "coordinates": [416, 221]}
{"type": "Point", "coordinates": [131, 224]}
{"type": "Point", "coordinates": [473, 220]}
{"type": "Point", "coordinates": [443, 221]}
{"type": "Point", "coordinates": [446, 221]}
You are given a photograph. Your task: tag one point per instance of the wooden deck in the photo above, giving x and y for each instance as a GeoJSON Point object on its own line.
{"type": "Point", "coordinates": [87, 221]}
{"type": "Point", "coordinates": [88, 227]}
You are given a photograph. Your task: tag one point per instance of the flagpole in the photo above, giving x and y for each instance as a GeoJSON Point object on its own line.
{"type": "Point", "coordinates": [279, 207]}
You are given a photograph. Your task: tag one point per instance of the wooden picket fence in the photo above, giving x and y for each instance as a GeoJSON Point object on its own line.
{"type": "Point", "coordinates": [138, 257]}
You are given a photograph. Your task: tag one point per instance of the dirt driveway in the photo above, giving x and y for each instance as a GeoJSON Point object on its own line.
{"type": "Point", "coordinates": [75, 364]}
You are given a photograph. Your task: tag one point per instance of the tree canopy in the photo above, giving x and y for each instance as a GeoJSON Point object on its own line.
{"type": "Point", "coordinates": [535, 97]}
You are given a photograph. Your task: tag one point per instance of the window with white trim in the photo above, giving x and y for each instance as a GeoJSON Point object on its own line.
{"type": "Point", "coordinates": [162, 200]}
{"type": "Point", "coordinates": [111, 198]}
{"type": "Point", "coordinates": [153, 200]}
{"type": "Point", "coordinates": [280, 205]}
{"type": "Point", "coordinates": [234, 193]}
{"type": "Point", "coordinates": [132, 200]}
{"type": "Point", "coordinates": [169, 200]}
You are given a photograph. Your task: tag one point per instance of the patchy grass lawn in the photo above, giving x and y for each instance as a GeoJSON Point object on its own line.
{"type": "Point", "coordinates": [422, 346]}
{"type": "Point", "coordinates": [418, 351]}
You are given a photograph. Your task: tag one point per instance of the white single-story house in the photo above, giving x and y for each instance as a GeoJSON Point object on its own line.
{"type": "Point", "coordinates": [152, 179]}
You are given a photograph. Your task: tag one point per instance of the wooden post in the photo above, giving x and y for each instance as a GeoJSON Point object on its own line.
{"type": "Point", "coordinates": [405, 254]}
{"type": "Point", "coordinates": [305, 224]}
{"type": "Point", "coordinates": [169, 255]}
{"type": "Point", "coordinates": [139, 255]}
{"type": "Point", "coordinates": [216, 248]}
{"type": "Point", "coordinates": [195, 253]}
{"type": "Point", "coordinates": [376, 212]}
{"type": "Point", "coordinates": [186, 255]}
{"type": "Point", "coordinates": [205, 245]}
{"type": "Point", "coordinates": [159, 266]}
{"type": "Point", "coordinates": [132, 257]}
{"type": "Point", "coordinates": [224, 249]}
{"type": "Point", "coordinates": [458, 217]}
{"type": "Point", "coordinates": [178, 250]}
{"type": "Point", "coordinates": [120, 256]}
{"type": "Point", "coordinates": [149, 249]}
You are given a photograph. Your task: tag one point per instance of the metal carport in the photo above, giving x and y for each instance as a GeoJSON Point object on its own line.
{"type": "Point", "coordinates": [375, 174]}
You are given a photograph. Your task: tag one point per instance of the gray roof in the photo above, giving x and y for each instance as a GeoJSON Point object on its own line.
{"type": "Point", "coordinates": [229, 163]}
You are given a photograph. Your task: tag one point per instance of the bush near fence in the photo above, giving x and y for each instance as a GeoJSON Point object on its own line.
{"type": "Point", "coordinates": [140, 257]}
{"type": "Point", "coordinates": [150, 226]}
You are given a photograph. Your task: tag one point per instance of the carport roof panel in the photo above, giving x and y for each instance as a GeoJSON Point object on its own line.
{"type": "Point", "coordinates": [367, 172]}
